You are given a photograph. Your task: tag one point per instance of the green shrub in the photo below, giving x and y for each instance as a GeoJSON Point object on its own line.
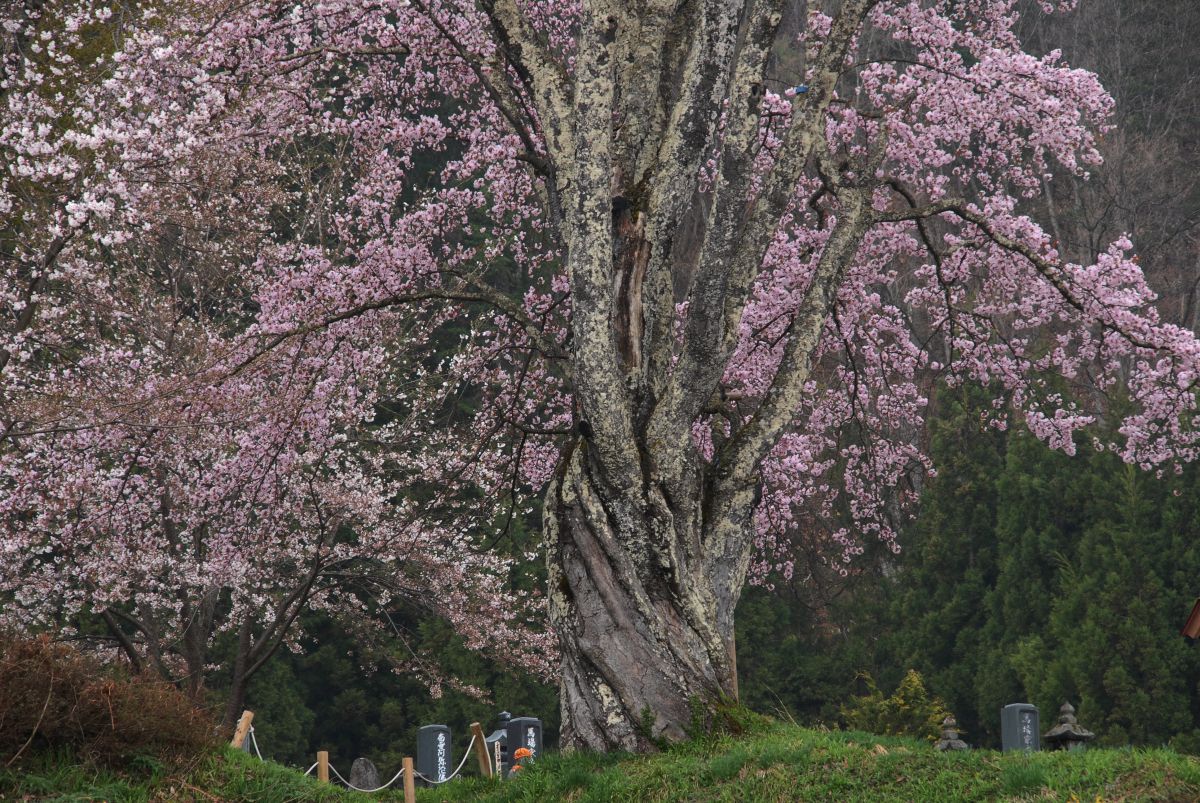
{"type": "Point", "coordinates": [911, 711]}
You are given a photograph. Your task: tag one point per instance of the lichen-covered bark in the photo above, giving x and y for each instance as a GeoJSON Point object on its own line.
{"type": "Point", "coordinates": [639, 639]}
{"type": "Point", "coordinates": [645, 577]}
{"type": "Point", "coordinates": [648, 544]}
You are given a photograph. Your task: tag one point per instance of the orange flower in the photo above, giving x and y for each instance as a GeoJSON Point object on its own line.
{"type": "Point", "coordinates": [522, 752]}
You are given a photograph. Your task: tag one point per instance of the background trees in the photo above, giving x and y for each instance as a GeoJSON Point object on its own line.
{"type": "Point", "coordinates": [989, 594]}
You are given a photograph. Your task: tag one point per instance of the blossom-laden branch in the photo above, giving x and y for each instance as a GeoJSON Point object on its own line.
{"type": "Point", "coordinates": [406, 266]}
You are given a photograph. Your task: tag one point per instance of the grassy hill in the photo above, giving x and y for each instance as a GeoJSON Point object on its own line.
{"type": "Point", "coordinates": [779, 763]}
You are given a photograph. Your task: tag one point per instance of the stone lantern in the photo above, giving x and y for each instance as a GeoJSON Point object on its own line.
{"type": "Point", "coordinates": [1067, 734]}
{"type": "Point", "coordinates": [950, 740]}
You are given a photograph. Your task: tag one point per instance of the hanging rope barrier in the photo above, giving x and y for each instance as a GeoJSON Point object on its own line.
{"type": "Point", "coordinates": [457, 770]}
{"type": "Point", "coordinates": [396, 777]}
{"type": "Point", "coordinates": [254, 743]}
{"type": "Point", "coordinates": [349, 785]}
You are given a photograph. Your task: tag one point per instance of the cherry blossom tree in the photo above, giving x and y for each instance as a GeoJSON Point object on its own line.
{"type": "Point", "coordinates": [164, 475]}
{"type": "Point", "coordinates": [676, 268]}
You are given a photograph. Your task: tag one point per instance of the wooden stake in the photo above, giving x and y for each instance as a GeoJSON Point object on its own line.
{"type": "Point", "coordinates": [323, 766]}
{"type": "Point", "coordinates": [243, 727]}
{"type": "Point", "coordinates": [410, 782]}
{"type": "Point", "coordinates": [485, 763]}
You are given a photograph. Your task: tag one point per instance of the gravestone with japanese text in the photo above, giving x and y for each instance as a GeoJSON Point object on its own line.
{"type": "Point", "coordinates": [1019, 728]}
{"type": "Point", "coordinates": [435, 757]}
{"type": "Point", "coordinates": [525, 732]}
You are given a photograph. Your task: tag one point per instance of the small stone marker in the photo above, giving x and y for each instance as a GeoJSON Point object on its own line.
{"type": "Point", "coordinates": [1067, 734]}
{"type": "Point", "coordinates": [363, 774]}
{"type": "Point", "coordinates": [1019, 728]}
{"type": "Point", "coordinates": [497, 745]}
{"type": "Point", "coordinates": [950, 740]}
{"type": "Point", "coordinates": [435, 756]}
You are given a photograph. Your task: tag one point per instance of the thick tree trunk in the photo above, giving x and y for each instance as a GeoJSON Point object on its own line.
{"type": "Point", "coordinates": [237, 686]}
{"type": "Point", "coordinates": [648, 541]}
{"type": "Point", "coordinates": [637, 619]}
{"type": "Point", "coordinates": [234, 706]}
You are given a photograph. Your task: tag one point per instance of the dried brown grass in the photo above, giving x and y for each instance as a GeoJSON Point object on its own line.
{"type": "Point", "coordinates": [53, 697]}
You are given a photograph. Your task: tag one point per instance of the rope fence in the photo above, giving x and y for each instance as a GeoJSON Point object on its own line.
{"type": "Point", "coordinates": [349, 785]}
{"type": "Point", "coordinates": [254, 743]}
{"type": "Point", "coordinates": [398, 775]}
{"type": "Point", "coordinates": [245, 735]}
{"type": "Point", "coordinates": [519, 733]}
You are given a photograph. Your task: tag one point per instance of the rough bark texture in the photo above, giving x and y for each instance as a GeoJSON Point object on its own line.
{"type": "Point", "coordinates": [648, 543]}
{"type": "Point", "coordinates": [640, 642]}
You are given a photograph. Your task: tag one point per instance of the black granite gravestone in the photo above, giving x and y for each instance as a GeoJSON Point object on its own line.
{"type": "Point", "coordinates": [435, 753]}
{"type": "Point", "coordinates": [525, 732]}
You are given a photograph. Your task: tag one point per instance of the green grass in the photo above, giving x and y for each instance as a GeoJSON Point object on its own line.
{"type": "Point", "coordinates": [785, 763]}
{"type": "Point", "coordinates": [226, 775]}
{"type": "Point", "coordinates": [778, 763]}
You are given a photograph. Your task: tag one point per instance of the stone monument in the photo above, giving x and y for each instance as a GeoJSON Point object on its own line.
{"type": "Point", "coordinates": [363, 774]}
{"type": "Point", "coordinates": [435, 754]}
{"type": "Point", "coordinates": [1067, 734]}
{"type": "Point", "coordinates": [1019, 728]}
{"type": "Point", "coordinates": [950, 740]}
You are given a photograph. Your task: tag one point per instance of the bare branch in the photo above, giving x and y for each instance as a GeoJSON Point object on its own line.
{"type": "Point", "coordinates": [482, 293]}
